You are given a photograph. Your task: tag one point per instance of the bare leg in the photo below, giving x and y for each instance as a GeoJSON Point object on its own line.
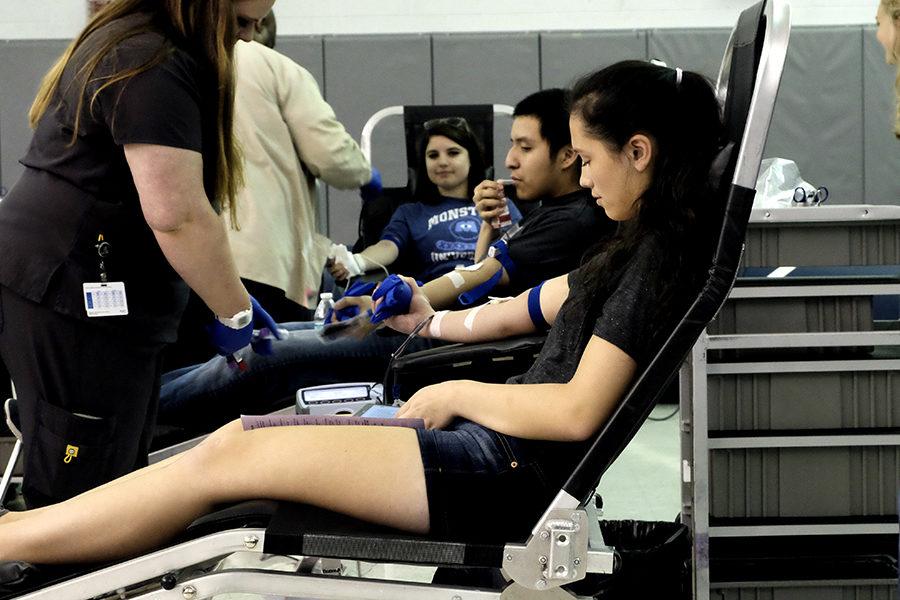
{"type": "Point", "coordinates": [340, 468]}
{"type": "Point", "coordinates": [23, 514]}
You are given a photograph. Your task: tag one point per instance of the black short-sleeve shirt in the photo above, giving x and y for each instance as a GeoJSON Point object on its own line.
{"type": "Point", "coordinates": [159, 106]}
{"type": "Point", "coordinates": [554, 237]}
{"type": "Point", "coordinates": [72, 191]}
{"type": "Point", "coordinates": [627, 318]}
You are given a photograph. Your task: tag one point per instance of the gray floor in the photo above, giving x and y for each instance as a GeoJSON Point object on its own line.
{"type": "Point", "coordinates": [645, 481]}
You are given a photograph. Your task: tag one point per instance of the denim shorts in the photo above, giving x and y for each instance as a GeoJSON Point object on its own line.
{"type": "Point", "coordinates": [482, 485]}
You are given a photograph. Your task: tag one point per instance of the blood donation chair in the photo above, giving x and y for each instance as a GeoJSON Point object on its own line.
{"type": "Point", "coordinates": [564, 548]}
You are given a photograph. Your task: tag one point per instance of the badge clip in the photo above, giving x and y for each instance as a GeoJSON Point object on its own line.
{"type": "Point", "coordinates": [71, 452]}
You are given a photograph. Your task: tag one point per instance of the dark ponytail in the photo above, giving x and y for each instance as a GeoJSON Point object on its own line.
{"type": "Point", "coordinates": [678, 110]}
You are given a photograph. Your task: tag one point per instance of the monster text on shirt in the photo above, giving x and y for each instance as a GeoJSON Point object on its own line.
{"type": "Point", "coordinates": [452, 214]}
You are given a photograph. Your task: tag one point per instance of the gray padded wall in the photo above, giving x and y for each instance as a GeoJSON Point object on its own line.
{"type": "Point", "coordinates": [565, 56]}
{"type": "Point", "coordinates": [22, 65]}
{"type": "Point", "coordinates": [833, 116]}
{"type": "Point", "coordinates": [307, 51]}
{"type": "Point", "coordinates": [818, 115]}
{"type": "Point", "coordinates": [363, 75]}
{"type": "Point", "coordinates": [487, 69]}
{"type": "Point", "coordinates": [694, 49]}
{"type": "Point", "coordinates": [882, 150]}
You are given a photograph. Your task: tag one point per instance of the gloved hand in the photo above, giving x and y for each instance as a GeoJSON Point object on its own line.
{"type": "Point", "coordinates": [261, 341]}
{"type": "Point", "coordinates": [419, 309]}
{"type": "Point", "coordinates": [351, 303]}
{"type": "Point", "coordinates": [395, 296]}
{"type": "Point", "coordinates": [228, 340]}
{"type": "Point", "coordinates": [371, 190]}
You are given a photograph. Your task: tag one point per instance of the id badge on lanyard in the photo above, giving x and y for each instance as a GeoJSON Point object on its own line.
{"type": "Point", "coordinates": [104, 298]}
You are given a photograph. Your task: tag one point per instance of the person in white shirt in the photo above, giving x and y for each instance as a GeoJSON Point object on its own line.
{"type": "Point", "coordinates": [289, 136]}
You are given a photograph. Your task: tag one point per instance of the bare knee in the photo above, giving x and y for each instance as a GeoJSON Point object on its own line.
{"type": "Point", "coordinates": [226, 431]}
{"type": "Point", "coordinates": [204, 455]}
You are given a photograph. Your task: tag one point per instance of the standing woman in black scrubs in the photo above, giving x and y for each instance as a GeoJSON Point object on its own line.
{"type": "Point", "coordinates": [113, 219]}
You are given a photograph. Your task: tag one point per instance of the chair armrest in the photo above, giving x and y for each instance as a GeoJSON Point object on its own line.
{"type": "Point", "coordinates": [490, 362]}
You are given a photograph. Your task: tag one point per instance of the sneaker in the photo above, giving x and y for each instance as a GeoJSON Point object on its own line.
{"type": "Point", "coordinates": [14, 574]}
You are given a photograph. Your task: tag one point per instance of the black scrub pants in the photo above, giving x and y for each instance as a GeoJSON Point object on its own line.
{"type": "Point", "coordinates": [87, 398]}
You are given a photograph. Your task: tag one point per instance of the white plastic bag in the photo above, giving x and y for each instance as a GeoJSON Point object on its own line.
{"type": "Point", "coordinates": [778, 178]}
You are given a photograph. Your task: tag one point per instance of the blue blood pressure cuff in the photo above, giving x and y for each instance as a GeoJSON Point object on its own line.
{"type": "Point", "coordinates": [500, 251]}
{"type": "Point", "coordinates": [534, 307]}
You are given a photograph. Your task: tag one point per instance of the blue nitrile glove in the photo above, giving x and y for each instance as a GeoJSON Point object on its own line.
{"type": "Point", "coordinates": [359, 288]}
{"type": "Point", "coordinates": [268, 330]}
{"type": "Point", "coordinates": [395, 295]}
{"type": "Point", "coordinates": [341, 314]}
{"type": "Point", "coordinates": [227, 341]}
{"type": "Point", "coordinates": [261, 341]}
{"type": "Point", "coordinates": [371, 190]}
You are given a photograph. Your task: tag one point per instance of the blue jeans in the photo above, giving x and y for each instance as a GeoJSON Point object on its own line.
{"type": "Point", "coordinates": [204, 396]}
{"type": "Point", "coordinates": [471, 471]}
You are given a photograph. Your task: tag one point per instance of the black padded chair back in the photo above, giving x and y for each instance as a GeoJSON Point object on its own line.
{"type": "Point", "coordinates": [749, 94]}
{"type": "Point", "coordinates": [376, 214]}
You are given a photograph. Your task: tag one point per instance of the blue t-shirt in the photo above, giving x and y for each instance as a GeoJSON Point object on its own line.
{"type": "Point", "coordinates": [440, 236]}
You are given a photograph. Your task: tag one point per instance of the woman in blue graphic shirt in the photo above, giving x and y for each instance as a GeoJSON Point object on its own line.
{"type": "Point", "coordinates": [439, 230]}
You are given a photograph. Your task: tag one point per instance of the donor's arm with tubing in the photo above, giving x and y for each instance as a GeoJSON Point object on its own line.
{"type": "Point", "coordinates": [440, 292]}
{"type": "Point", "coordinates": [444, 290]}
{"type": "Point", "coordinates": [482, 323]}
{"type": "Point", "coordinates": [377, 256]}
{"type": "Point", "coordinates": [381, 253]}
{"type": "Point", "coordinates": [569, 411]}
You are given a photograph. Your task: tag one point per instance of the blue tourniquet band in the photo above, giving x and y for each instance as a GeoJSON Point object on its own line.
{"type": "Point", "coordinates": [534, 307]}
{"type": "Point", "coordinates": [500, 251]}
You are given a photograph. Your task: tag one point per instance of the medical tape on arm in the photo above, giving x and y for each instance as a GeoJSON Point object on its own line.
{"type": "Point", "coordinates": [455, 278]}
{"type": "Point", "coordinates": [434, 329]}
{"type": "Point", "coordinates": [470, 318]}
{"type": "Point", "coordinates": [534, 307]}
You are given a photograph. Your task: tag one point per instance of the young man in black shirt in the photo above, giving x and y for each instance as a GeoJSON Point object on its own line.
{"type": "Point", "coordinates": [554, 236]}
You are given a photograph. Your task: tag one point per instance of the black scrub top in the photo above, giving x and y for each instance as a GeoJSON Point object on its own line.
{"type": "Point", "coordinates": [71, 193]}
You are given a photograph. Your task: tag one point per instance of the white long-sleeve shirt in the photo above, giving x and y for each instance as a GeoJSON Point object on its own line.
{"type": "Point", "coordinates": [289, 136]}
